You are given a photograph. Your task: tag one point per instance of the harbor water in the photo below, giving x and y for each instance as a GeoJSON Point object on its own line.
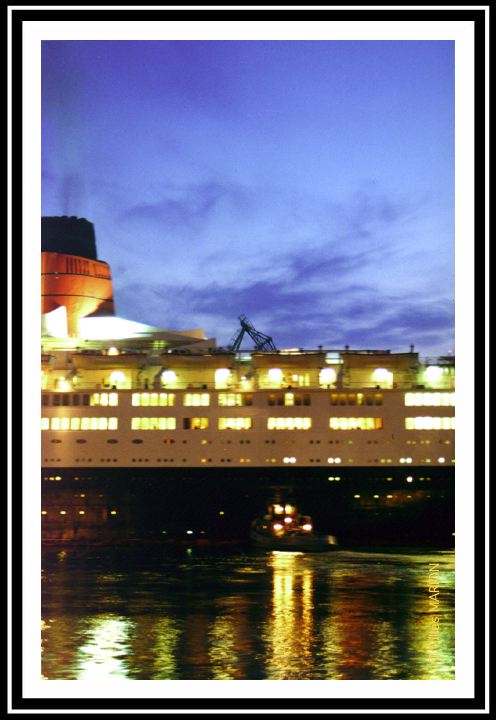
{"type": "Point", "coordinates": [156, 612]}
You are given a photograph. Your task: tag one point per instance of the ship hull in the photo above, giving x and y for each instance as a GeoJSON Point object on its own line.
{"type": "Point", "coordinates": [361, 506]}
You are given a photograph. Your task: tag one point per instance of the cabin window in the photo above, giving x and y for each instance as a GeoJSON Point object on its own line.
{"type": "Point", "coordinates": [235, 423]}
{"type": "Point", "coordinates": [289, 423]}
{"type": "Point", "coordinates": [152, 399]}
{"type": "Point", "coordinates": [105, 399]}
{"type": "Point", "coordinates": [195, 423]}
{"type": "Point", "coordinates": [355, 423]}
{"type": "Point", "coordinates": [153, 423]}
{"type": "Point", "coordinates": [430, 423]}
{"type": "Point", "coordinates": [426, 399]}
{"type": "Point", "coordinates": [196, 399]}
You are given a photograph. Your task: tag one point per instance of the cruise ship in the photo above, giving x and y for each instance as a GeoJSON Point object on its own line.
{"type": "Point", "coordinates": [162, 435]}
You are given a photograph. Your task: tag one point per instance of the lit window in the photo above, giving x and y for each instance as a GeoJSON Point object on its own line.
{"type": "Point", "coordinates": [76, 423]}
{"type": "Point", "coordinates": [285, 423]}
{"type": "Point", "coordinates": [426, 399]}
{"type": "Point", "coordinates": [289, 399]}
{"type": "Point", "coordinates": [45, 423]}
{"type": "Point", "coordinates": [235, 423]}
{"type": "Point", "coordinates": [104, 399]}
{"type": "Point", "coordinates": [230, 399]}
{"type": "Point", "coordinates": [153, 423]}
{"type": "Point", "coordinates": [355, 423]}
{"type": "Point", "coordinates": [152, 399]}
{"type": "Point", "coordinates": [197, 399]}
{"type": "Point", "coordinates": [430, 423]}
{"type": "Point", "coordinates": [196, 423]}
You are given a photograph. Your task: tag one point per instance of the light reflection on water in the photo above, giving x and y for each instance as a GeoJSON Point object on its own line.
{"type": "Point", "coordinates": [278, 616]}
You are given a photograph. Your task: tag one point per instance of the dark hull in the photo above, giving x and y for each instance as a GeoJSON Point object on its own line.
{"type": "Point", "coordinates": [310, 543]}
{"type": "Point", "coordinates": [220, 503]}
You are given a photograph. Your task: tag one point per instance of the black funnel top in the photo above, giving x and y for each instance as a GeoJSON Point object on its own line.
{"type": "Point", "coordinates": [70, 235]}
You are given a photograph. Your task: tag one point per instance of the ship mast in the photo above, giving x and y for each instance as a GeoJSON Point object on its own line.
{"type": "Point", "coordinates": [262, 342]}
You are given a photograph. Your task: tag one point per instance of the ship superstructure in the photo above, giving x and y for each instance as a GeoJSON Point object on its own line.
{"type": "Point", "coordinates": [125, 400]}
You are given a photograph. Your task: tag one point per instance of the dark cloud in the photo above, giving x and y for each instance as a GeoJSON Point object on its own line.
{"type": "Point", "coordinates": [301, 318]}
{"type": "Point", "coordinates": [186, 207]}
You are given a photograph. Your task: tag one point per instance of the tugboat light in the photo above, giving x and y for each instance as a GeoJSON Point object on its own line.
{"type": "Point", "coordinates": [277, 526]}
{"type": "Point", "coordinates": [288, 509]}
{"type": "Point", "coordinates": [288, 520]}
{"type": "Point", "coordinates": [307, 527]}
{"type": "Point", "coordinates": [278, 509]}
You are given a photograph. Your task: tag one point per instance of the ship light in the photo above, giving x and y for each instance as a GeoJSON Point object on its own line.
{"type": "Point", "coordinates": [278, 509]}
{"type": "Point", "coordinates": [327, 376]}
{"type": "Point", "coordinates": [382, 375]}
{"type": "Point", "coordinates": [189, 532]}
{"type": "Point", "coordinates": [168, 377]}
{"type": "Point", "coordinates": [433, 373]}
{"type": "Point", "coordinates": [288, 509]}
{"type": "Point", "coordinates": [441, 459]}
{"type": "Point", "coordinates": [288, 520]}
{"type": "Point", "coordinates": [409, 479]}
{"type": "Point", "coordinates": [307, 527]}
{"type": "Point", "coordinates": [116, 377]}
{"type": "Point", "coordinates": [275, 375]}
{"type": "Point", "coordinates": [222, 376]}
{"type": "Point", "coordinates": [63, 385]}
{"type": "Point", "coordinates": [277, 526]}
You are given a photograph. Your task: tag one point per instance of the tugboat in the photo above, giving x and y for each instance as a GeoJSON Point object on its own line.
{"type": "Point", "coordinates": [282, 527]}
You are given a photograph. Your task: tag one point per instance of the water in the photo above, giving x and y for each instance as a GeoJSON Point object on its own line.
{"type": "Point", "coordinates": [153, 613]}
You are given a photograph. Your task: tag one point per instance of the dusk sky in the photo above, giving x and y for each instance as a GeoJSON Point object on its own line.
{"type": "Point", "coordinates": [306, 184]}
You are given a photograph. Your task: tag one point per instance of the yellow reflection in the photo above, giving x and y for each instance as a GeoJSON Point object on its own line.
{"type": "Point", "coordinates": [222, 649]}
{"type": "Point", "coordinates": [289, 632]}
{"type": "Point", "coordinates": [166, 637]}
{"type": "Point", "coordinates": [107, 641]}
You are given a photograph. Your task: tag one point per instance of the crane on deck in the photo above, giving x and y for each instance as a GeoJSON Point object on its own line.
{"type": "Point", "coordinates": [262, 342]}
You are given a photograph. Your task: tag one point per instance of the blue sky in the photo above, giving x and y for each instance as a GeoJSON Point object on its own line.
{"type": "Point", "coordinates": [306, 184]}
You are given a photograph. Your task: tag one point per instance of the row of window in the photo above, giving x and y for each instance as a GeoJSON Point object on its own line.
{"type": "Point", "coordinates": [288, 399]}
{"type": "Point", "coordinates": [77, 423]}
{"type": "Point", "coordinates": [430, 399]}
{"type": "Point", "coordinates": [242, 423]}
{"type": "Point", "coordinates": [356, 398]}
{"type": "Point", "coordinates": [286, 460]}
{"type": "Point", "coordinates": [430, 423]}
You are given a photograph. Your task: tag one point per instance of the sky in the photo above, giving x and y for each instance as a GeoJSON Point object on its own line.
{"type": "Point", "coordinates": [308, 185]}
